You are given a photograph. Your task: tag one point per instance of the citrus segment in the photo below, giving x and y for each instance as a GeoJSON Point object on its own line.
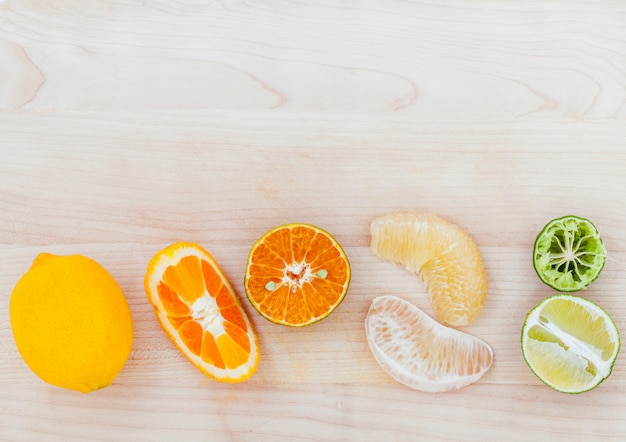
{"type": "Point", "coordinates": [71, 322]}
{"type": "Point", "coordinates": [421, 353]}
{"type": "Point", "coordinates": [445, 258]}
{"type": "Point", "coordinates": [296, 274]}
{"type": "Point", "coordinates": [569, 253]}
{"type": "Point", "coordinates": [199, 310]}
{"type": "Point", "coordinates": [570, 343]}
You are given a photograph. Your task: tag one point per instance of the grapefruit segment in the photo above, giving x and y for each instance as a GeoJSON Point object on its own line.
{"type": "Point", "coordinates": [421, 353]}
{"type": "Point", "coordinates": [444, 257]}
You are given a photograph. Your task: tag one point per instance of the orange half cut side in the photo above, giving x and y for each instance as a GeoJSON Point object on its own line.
{"type": "Point", "coordinates": [199, 310]}
{"type": "Point", "coordinates": [297, 274]}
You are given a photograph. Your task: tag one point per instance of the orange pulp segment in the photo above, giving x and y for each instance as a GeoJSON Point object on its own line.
{"type": "Point", "coordinates": [199, 310]}
{"type": "Point", "coordinates": [296, 274]}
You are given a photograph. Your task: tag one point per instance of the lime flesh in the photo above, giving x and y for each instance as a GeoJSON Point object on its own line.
{"type": "Point", "coordinates": [570, 343]}
{"type": "Point", "coordinates": [569, 254]}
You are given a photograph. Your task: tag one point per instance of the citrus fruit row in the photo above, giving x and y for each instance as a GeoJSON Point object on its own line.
{"type": "Point", "coordinates": [73, 326]}
{"type": "Point", "coordinates": [297, 274]}
{"type": "Point", "coordinates": [569, 342]}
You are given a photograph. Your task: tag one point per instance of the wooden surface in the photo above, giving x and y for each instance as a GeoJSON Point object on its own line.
{"type": "Point", "coordinates": [126, 126]}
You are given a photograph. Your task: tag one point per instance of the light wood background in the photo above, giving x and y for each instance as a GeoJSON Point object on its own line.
{"type": "Point", "coordinates": [128, 125]}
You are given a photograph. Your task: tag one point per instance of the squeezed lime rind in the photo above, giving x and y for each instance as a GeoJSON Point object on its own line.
{"type": "Point", "coordinates": [569, 253]}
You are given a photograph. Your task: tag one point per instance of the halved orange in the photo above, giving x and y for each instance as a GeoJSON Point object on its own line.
{"type": "Point", "coordinates": [199, 310]}
{"type": "Point", "coordinates": [296, 274]}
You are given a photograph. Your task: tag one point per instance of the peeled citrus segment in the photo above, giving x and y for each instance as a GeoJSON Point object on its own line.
{"type": "Point", "coordinates": [445, 258]}
{"type": "Point", "coordinates": [297, 274]}
{"type": "Point", "coordinates": [570, 343]}
{"type": "Point", "coordinates": [421, 353]}
{"type": "Point", "coordinates": [569, 253]}
{"type": "Point", "coordinates": [199, 310]}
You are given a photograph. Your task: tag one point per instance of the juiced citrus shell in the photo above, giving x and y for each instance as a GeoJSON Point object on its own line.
{"type": "Point", "coordinates": [570, 343]}
{"type": "Point", "coordinates": [569, 253]}
{"type": "Point", "coordinates": [419, 352]}
{"type": "Point", "coordinates": [445, 258]}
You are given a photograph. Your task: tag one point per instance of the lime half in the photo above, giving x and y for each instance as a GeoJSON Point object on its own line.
{"type": "Point", "coordinates": [569, 253]}
{"type": "Point", "coordinates": [570, 343]}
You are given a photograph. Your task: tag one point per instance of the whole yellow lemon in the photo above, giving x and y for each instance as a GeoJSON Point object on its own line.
{"type": "Point", "coordinates": [71, 322]}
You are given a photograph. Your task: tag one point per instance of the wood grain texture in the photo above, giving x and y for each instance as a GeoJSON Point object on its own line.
{"type": "Point", "coordinates": [493, 57]}
{"type": "Point", "coordinates": [125, 126]}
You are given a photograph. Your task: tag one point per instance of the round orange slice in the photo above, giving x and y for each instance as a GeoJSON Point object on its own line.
{"type": "Point", "coordinates": [297, 274]}
{"type": "Point", "coordinates": [199, 310]}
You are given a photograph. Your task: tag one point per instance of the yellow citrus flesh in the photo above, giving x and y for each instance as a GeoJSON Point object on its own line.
{"type": "Point", "coordinates": [421, 353]}
{"type": "Point", "coordinates": [297, 274]}
{"type": "Point", "coordinates": [200, 312]}
{"type": "Point", "coordinates": [570, 343]}
{"type": "Point", "coordinates": [445, 257]}
{"type": "Point", "coordinates": [71, 322]}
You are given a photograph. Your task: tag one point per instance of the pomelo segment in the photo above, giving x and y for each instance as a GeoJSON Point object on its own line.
{"type": "Point", "coordinates": [419, 352]}
{"type": "Point", "coordinates": [444, 257]}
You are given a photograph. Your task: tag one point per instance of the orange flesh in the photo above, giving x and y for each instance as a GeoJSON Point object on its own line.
{"type": "Point", "coordinates": [224, 341]}
{"type": "Point", "coordinates": [283, 280]}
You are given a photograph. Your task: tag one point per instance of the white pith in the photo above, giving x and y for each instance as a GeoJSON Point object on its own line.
{"type": "Point", "coordinates": [302, 274]}
{"type": "Point", "coordinates": [570, 253]}
{"type": "Point", "coordinates": [206, 313]}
